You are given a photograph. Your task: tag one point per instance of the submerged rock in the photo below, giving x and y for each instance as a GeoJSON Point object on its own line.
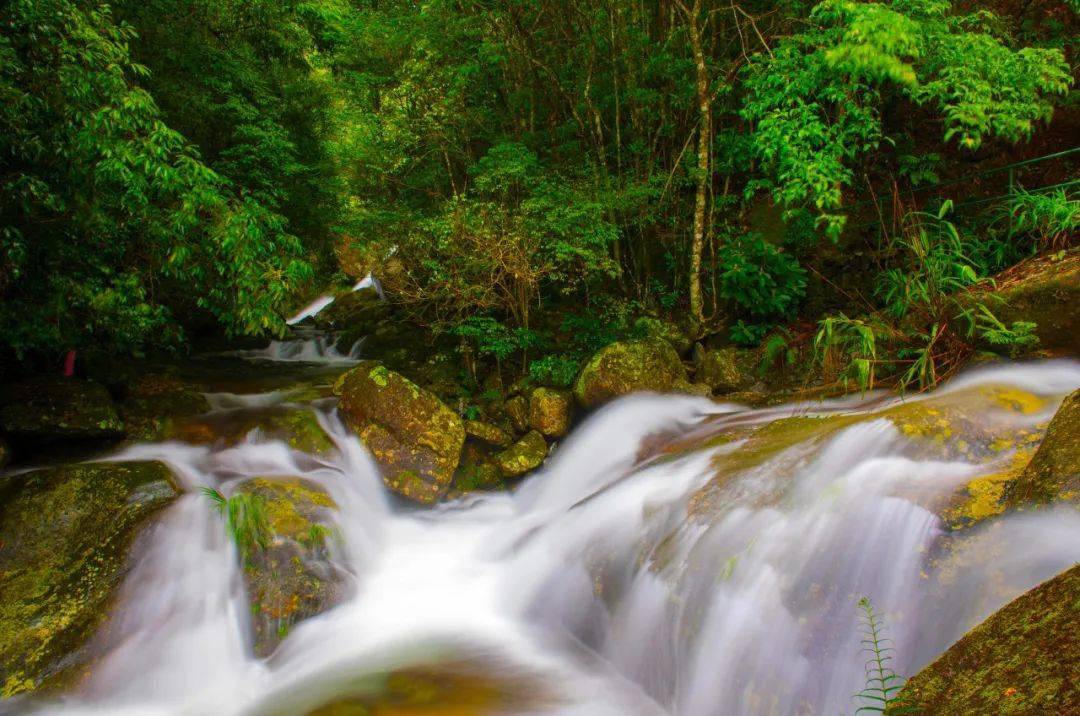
{"type": "Point", "coordinates": [1054, 472]}
{"type": "Point", "coordinates": [1024, 659]}
{"type": "Point", "coordinates": [627, 367]}
{"type": "Point", "coordinates": [549, 411]}
{"type": "Point", "coordinates": [414, 437]}
{"type": "Point", "coordinates": [300, 429]}
{"type": "Point", "coordinates": [291, 578]}
{"type": "Point", "coordinates": [64, 537]}
{"type": "Point", "coordinates": [526, 454]}
{"type": "Point", "coordinates": [54, 408]}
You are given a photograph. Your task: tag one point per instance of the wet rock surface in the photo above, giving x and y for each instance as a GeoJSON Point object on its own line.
{"type": "Point", "coordinates": [64, 538]}
{"type": "Point", "coordinates": [291, 578]}
{"type": "Point", "coordinates": [54, 408]}
{"type": "Point", "coordinates": [414, 437]}
{"type": "Point", "coordinates": [1024, 659]}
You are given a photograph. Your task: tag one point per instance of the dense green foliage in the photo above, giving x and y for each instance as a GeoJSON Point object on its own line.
{"type": "Point", "coordinates": [168, 163]}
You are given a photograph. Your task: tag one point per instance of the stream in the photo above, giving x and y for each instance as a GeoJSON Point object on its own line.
{"type": "Point", "coordinates": [652, 566]}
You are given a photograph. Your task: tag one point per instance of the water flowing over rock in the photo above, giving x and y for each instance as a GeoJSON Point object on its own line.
{"type": "Point", "coordinates": [1024, 659]}
{"type": "Point", "coordinates": [290, 579]}
{"type": "Point", "coordinates": [628, 367]}
{"type": "Point", "coordinates": [414, 437]}
{"type": "Point", "coordinates": [64, 536]}
{"type": "Point", "coordinates": [675, 555]}
{"type": "Point", "coordinates": [1054, 472]}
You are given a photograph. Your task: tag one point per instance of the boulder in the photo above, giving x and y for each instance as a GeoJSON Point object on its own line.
{"type": "Point", "coordinates": [487, 433]}
{"type": "Point", "coordinates": [477, 470]}
{"type": "Point", "coordinates": [300, 429]}
{"type": "Point", "coordinates": [413, 436]}
{"type": "Point", "coordinates": [1044, 290]}
{"type": "Point", "coordinates": [518, 411]}
{"type": "Point", "coordinates": [663, 330]}
{"type": "Point", "coordinates": [1024, 659]}
{"type": "Point", "coordinates": [724, 371]}
{"type": "Point", "coordinates": [549, 411]}
{"type": "Point", "coordinates": [292, 577]}
{"type": "Point", "coordinates": [64, 538]}
{"type": "Point", "coordinates": [54, 408]}
{"type": "Point", "coordinates": [627, 367]}
{"type": "Point", "coordinates": [155, 402]}
{"type": "Point", "coordinates": [1054, 471]}
{"type": "Point", "coordinates": [526, 454]}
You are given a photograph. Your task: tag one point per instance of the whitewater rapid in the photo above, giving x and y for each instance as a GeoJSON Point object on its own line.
{"type": "Point", "coordinates": [589, 582]}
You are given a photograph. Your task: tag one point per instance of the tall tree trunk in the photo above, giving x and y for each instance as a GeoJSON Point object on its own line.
{"type": "Point", "coordinates": [694, 30]}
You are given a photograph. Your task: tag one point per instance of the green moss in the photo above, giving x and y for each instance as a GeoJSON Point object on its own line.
{"type": "Point", "coordinates": [64, 536]}
{"type": "Point", "coordinates": [549, 411]}
{"type": "Point", "coordinates": [290, 579]}
{"type": "Point", "coordinates": [627, 367]}
{"type": "Point", "coordinates": [526, 454]}
{"type": "Point", "coordinates": [56, 408]}
{"type": "Point", "coordinates": [1054, 472]}
{"type": "Point", "coordinates": [414, 437]}
{"type": "Point", "coordinates": [1024, 659]}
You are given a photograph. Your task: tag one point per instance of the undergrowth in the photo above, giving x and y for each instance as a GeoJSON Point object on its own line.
{"type": "Point", "coordinates": [245, 519]}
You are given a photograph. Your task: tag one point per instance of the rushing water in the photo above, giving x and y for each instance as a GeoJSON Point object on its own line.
{"type": "Point", "coordinates": [589, 589]}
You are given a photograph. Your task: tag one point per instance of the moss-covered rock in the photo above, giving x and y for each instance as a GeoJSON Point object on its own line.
{"type": "Point", "coordinates": [549, 411]}
{"type": "Point", "coordinates": [1024, 659]}
{"type": "Point", "coordinates": [1054, 472]}
{"type": "Point", "coordinates": [664, 330]}
{"type": "Point", "coordinates": [299, 428]}
{"type": "Point", "coordinates": [517, 410]}
{"type": "Point", "coordinates": [725, 370]}
{"type": "Point", "coordinates": [291, 579]}
{"type": "Point", "coordinates": [627, 367]}
{"type": "Point", "coordinates": [526, 454]}
{"type": "Point", "coordinates": [413, 436]}
{"type": "Point", "coordinates": [64, 537]}
{"type": "Point", "coordinates": [155, 402]}
{"type": "Point", "coordinates": [1043, 290]}
{"type": "Point", "coordinates": [487, 433]}
{"type": "Point", "coordinates": [55, 408]}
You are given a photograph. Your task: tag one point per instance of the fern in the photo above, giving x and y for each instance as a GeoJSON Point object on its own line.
{"type": "Point", "coordinates": [882, 683]}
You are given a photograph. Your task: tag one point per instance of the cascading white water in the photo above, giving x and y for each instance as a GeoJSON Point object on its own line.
{"type": "Point", "coordinates": [305, 349]}
{"type": "Point", "coordinates": [590, 581]}
{"type": "Point", "coordinates": [318, 304]}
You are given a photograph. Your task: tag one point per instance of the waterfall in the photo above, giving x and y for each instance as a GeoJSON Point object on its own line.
{"type": "Point", "coordinates": [661, 562]}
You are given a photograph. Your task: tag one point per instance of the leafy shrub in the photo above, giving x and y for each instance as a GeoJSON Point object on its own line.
{"type": "Point", "coordinates": [492, 338]}
{"type": "Point", "coordinates": [555, 370]}
{"type": "Point", "coordinates": [761, 279]}
{"type": "Point", "coordinates": [1052, 218]}
{"type": "Point", "coordinates": [748, 334]}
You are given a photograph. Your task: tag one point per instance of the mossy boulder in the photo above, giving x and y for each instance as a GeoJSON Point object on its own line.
{"type": "Point", "coordinates": [477, 470]}
{"type": "Point", "coordinates": [724, 370]}
{"type": "Point", "coordinates": [1045, 291]}
{"type": "Point", "coordinates": [413, 436]}
{"type": "Point", "coordinates": [155, 402]}
{"type": "Point", "coordinates": [1054, 472]}
{"type": "Point", "coordinates": [627, 367]}
{"type": "Point", "coordinates": [1024, 659]}
{"type": "Point", "coordinates": [55, 408]}
{"type": "Point", "coordinates": [487, 433]}
{"type": "Point", "coordinates": [292, 577]}
{"type": "Point", "coordinates": [549, 411]}
{"type": "Point", "coordinates": [663, 330]}
{"type": "Point", "coordinates": [299, 428]}
{"type": "Point", "coordinates": [517, 410]}
{"type": "Point", "coordinates": [64, 538]}
{"type": "Point", "coordinates": [526, 454]}
{"type": "Point", "coordinates": [361, 310]}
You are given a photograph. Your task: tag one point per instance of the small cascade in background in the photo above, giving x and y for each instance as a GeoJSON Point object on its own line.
{"type": "Point", "coordinates": [664, 561]}
{"type": "Point", "coordinates": [316, 306]}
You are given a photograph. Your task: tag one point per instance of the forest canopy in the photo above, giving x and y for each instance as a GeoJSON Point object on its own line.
{"type": "Point", "coordinates": [179, 166]}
